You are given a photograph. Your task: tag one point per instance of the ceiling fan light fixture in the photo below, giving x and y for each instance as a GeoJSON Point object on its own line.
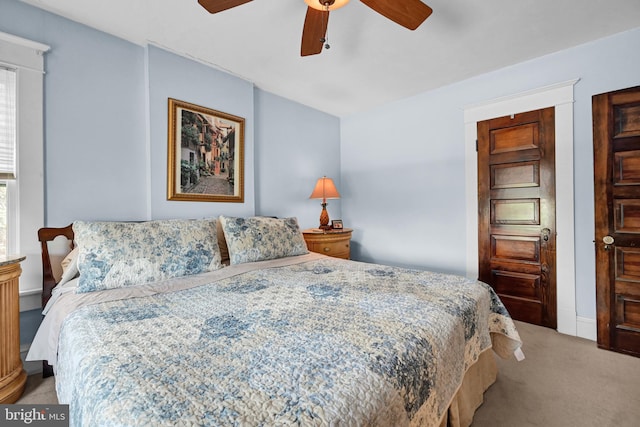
{"type": "Point", "coordinates": [320, 4]}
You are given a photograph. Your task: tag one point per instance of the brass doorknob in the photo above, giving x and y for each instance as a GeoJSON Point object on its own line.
{"type": "Point", "coordinates": [545, 234]}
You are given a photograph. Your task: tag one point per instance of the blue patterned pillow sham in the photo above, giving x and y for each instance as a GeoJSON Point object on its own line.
{"type": "Point", "coordinates": [121, 254]}
{"type": "Point", "coordinates": [261, 238]}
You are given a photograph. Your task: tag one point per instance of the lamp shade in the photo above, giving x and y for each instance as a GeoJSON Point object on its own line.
{"type": "Point", "coordinates": [319, 5]}
{"type": "Point", "coordinates": [325, 189]}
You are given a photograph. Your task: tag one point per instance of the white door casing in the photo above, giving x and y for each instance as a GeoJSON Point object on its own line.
{"type": "Point", "coordinates": [561, 97]}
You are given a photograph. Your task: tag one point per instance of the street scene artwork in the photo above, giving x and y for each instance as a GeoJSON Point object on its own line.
{"type": "Point", "coordinates": [205, 155]}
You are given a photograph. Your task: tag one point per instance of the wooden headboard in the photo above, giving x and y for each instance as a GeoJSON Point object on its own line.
{"type": "Point", "coordinates": [46, 235]}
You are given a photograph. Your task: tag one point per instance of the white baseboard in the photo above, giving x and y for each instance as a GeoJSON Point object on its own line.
{"type": "Point", "coordinates": [31, 300]}
{"type": "Point", "coordinates": [587, 328]}
{"type": "Point", "coordinates": [34, 367]}
{"type": "Point", "coordinates": [566, 321]}
{"type": "Point", "coordinates": [576, 326]}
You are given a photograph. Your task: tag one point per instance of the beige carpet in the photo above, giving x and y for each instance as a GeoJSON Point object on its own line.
{"type": "Point", "coordinates": [563, 382]}
{"type": "Point", "coordinates": [39, 391]}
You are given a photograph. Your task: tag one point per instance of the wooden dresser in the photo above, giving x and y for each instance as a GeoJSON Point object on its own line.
{"type": "Point", "coordinates": [12, 376]}
{"type": "Point", "coordinates": [335, 243]}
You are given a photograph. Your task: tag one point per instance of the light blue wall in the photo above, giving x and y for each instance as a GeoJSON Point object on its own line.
{"type": "Point", "coordinates": [403, 184]}
{"type": "Point", "coordinates": [172, 76]}
{"type": "Point", "coordinates": [94, 110]}
{"type": "Point", "coordinates": [295, 145]}
{"type": "Point", "coordinates": [403, 167]}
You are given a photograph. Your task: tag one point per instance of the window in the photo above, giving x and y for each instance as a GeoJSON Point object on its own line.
{"type": "Point", "coordinates": [7, 147]}
{"type": "Point", "coordinates": [22, 159]}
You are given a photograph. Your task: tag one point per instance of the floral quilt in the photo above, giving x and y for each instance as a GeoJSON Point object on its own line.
{"type": "Point", "coordinates": [320, 343]}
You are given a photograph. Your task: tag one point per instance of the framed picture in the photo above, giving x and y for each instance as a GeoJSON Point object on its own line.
{"type": "Point", "coordinates": [205, 154]}
{"type": "Point", "coordinates": [336, 224]}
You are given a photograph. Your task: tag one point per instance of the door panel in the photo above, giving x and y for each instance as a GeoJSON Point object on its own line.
{"type": "Point", "coordinates": [616, 145]}
{"type": "Point", "coordinates": [521, 248]}
{"type": "Point", "coordinates": [515, 211]}
{"type": "Point", "coordinates": [628, 313]}
{"type": "Point", "coordinates": [627, 216]}
{"type": "Point", "coordinates": [510, 175]}
{"type": "Point", "coordinates": [627, 168]}
{"type": "Point", "coordinates": [520, 285]}
{"type": "Point", "coordinates": [628, 264]}
{"type": "Point", "coordinates": [519, 138]}
{"type": "Point", "coordinates": [516, 199]}
{"type": "Point", "coordinates": [627, 120]}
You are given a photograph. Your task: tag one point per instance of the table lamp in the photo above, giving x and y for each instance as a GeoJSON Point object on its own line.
{"type": "Point", "coordinates": [325, 189]}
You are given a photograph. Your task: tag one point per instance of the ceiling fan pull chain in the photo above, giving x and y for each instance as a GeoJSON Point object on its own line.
{"type": "Point", "coordinates": [325, 39]}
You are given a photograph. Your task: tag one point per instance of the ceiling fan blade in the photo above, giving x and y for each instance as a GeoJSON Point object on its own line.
{"type": "Point", "coordinates": [408, 13]}
{"type": "Point", "coordinates": [215, 6]}
{"type": "Point", "coordinates": [314, 31]}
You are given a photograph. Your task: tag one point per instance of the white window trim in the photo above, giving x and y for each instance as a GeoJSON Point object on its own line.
{"type": "Point", "coordinates": [26, 195]}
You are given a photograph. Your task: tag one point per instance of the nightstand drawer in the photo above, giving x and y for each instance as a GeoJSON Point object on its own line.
{"type": "Point", "coordinates": [332, 243]}
{"type": "Point", "coordinates": [335, 249]}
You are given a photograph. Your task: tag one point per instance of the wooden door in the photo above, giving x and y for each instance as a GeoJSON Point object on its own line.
{"type": "Point", "coordinates": [516, 213]}
{"type": "Point", "coordinates": [616, 146]}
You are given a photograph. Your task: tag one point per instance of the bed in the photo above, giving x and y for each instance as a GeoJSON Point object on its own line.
{"type": "Point", "coordinates": [231, 321]}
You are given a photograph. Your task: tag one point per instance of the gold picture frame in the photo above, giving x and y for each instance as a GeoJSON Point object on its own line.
{"type": "Point", "coordinates": [205, 161]}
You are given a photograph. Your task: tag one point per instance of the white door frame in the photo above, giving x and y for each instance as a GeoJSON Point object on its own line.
{"type": "Point", "coordinates": [559, 96]}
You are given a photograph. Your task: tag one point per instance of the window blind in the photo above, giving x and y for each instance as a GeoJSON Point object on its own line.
{"type": "Point", "coordinates": [7, 123]}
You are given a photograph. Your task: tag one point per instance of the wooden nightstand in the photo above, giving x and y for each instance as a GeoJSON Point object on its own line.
{"type": "Point", "coordinates": [335, 243]}
{"type": "Point", "coordinates": [12, 376]}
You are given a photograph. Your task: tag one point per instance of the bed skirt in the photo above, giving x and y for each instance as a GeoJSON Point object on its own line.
{"type": "Point", "coordinates": [479, 377]}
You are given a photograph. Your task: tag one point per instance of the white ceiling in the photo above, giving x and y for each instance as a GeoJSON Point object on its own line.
{"type": "Point", "coordinates": [372, 60]}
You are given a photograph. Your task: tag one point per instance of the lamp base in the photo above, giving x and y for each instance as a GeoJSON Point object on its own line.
{"type": "Point", "coordinates": [324, 218]}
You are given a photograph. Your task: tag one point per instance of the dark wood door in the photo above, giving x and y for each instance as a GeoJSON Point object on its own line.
{"type": "Point", "coordinates": [616, 145]}
{"type": "Point", "coordinates": [516, 213]}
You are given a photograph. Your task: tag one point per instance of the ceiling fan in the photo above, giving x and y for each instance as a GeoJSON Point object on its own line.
{"type": "Point", "coordinates": [408, 13]}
